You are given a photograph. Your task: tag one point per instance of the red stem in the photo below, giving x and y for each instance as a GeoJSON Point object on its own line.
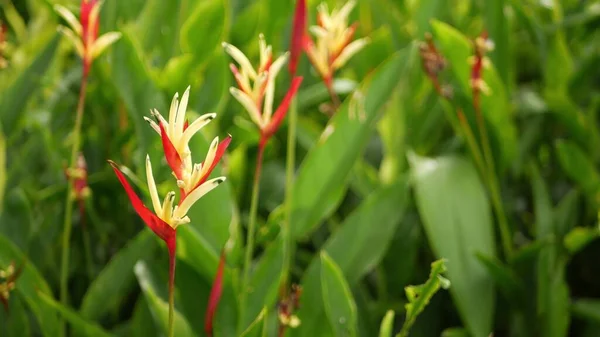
{"type": "Point", "coordinates": [171, 245]}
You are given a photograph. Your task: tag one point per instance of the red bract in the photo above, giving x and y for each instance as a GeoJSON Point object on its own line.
{"type": "Point", "coordinates": [298, 35]}
{"type": "Point", "coordinates": [281, 111]}
{"type": "Point", "coordinates": [220, 152]}
{"type": "Point", "coordinates": [171, 155]}
{"type": "Point", "coordinates": [90, 25]}
{"type": "Point", "coordinates": [215, 296]}
{"type": "Point", "coordinates": [156, 224]}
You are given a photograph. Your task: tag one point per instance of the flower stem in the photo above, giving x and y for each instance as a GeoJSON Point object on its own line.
{"type": "Point", "coordinates": [68, 221]}
{"type": "Point", "coordinates": [289, 192]}
{"type": "Point", "coordinates": [335, 99]}
{"type": "Point", "coordinates": [172, 259]}
{"type": "Point", "coordinates": [493, 183]}
{"type": "Point", "coordinates": [251, 229]}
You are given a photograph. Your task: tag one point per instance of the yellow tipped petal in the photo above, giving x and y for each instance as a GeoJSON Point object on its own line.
{"type": "Point", "coordinates": [76, 41]}
{"type": "Point", "coordinates": [210, 156]}
{"type": "Point", "coordinates": [94, 15]}
{"type": "Point", "coordinates": [152, 188]}
{"type": "Point", "coordinates": [103, 42]}
{"type": "Point", "coordinates": [248, 104]}
{"type": "Point", "coordinates": [153, 124]}
{"type": "Point", "coordinates": [241, 59]}
{"type": "Point", "coordinates": [343, 14]}
{"type": "Point", "coordinates": [167, 215]}
{"type": "Point", "coordinates": [180, 117]}
{"type": "Point", "coordinates": [349, 51]}
{"type": "Point", "coordinates": [70, 18]}
{"type": "Point", "coordinates": [198, 124]}
{"type": "Point", "coordinates": [173, 114]}
{"type": "Point", "coordinates": [195, 195]}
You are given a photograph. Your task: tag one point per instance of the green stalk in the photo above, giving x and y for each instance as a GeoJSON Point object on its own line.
{"type": "Point", "coordinates": [251, 229]}
{"type": "Point", "coordinates": [289, 192]}
{"type": "Point", "coordinates": [172, 260]}
{"type": "Point", "coordinates": [68, 221]}
{"type": "Point", "coordinates": [494, 184]}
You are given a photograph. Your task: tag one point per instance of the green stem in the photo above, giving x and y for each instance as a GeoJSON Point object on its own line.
{"type": "Point", "coordinates": [172, 260]}
{"type": "Point", "coordinates": [494, 184]}
{"type": "Point", "coordinates": [87, 247]}
{"type": "Point", "coordinates": [289, 191]}
{"type": "Point", "coordinates": [68, 221]}
{"type": "Point", "coordinates": [251, 229]}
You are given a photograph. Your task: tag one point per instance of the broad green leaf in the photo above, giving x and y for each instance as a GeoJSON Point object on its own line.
{"type": "Point", "coordinates": [193, 248]}
{"type": "Point", "coordinates": [577, 165]}
{"type": "Point", "coordinates": [323, 173]}
{"type": "Point", "coordinates": [15, 97]}
{"type": "Point", "coordinates": [495, 106]}
{"type": "Point", "coordinates": [76, 321]}
{"type": "Point", "coordinates": [205, 28]}
{"type": "Point", "coordinates": [337, 298]}
{"type": "Point", "coordinates": [29, 285]}
{"type": "Point", "coordinates": [116, 280]}
{"type": "Point", "coordinates": [579, 237]}
{"type": "Point", "coordinates": [423, 11]}
{"type": "Point", "coordinates": [455, 332]}
{"type": "Point", "coordinates": [419, 296]}
{"type": "Point", "coordinates": [387, 324]}
{"type": "Point", "coordinates": [264, 282]}
{"type": "Point", "coordinates": [158, 307]}
{"type": "Point", "coordinates": [139, 326]}
{"type": "Point", "coordinates": [352, 248]}
{"type": "Point", "coordinates": [157, 28]}
{"type": "Point", "coordinates": [135, 86]}
{"type": "Point", "coordinates": [318, 93]}
{"type": "Point", "coordinates": [457, 229]}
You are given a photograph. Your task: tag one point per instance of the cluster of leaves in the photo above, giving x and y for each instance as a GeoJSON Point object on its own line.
{"type": "Point", "coordinates": [383, 187]}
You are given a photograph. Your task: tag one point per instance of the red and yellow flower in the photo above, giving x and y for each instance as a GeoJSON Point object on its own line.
{"type": "Point", "coordinates": [83, 33]}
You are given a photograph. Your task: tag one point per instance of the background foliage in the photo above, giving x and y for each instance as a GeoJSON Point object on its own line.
{"type": "Point", "coordinates": [389, 188]}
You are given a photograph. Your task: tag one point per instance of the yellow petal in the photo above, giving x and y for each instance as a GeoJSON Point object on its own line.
{"type": "Point", "coordinates": [152, 188]}
{"type": "Point", "coordinates": [241, 59]}
{"type": "Point", "coordinates": [249, 104]}
{"type": "Point", "coordinates": [70, 18]}
{"type": "Point", "coordinates": [180, 117]}
{"type": "Point", "coordinates": [76, 41]}
{"type": "Point", "coordinates": [103, 42]}
{"type": "Point", "coordinates": [198, 124]}
{"type": "Point", "coordinates": [349, 51]}
{"type": "Point", "coordinates": [196, 194]}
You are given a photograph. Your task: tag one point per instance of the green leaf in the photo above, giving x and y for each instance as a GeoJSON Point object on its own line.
{"type": "Point", "coordinates": [577, 165]}
{"type": "Point", "coordinates": [352, 248]}
{"type": "Point", "coordinates": [505, 278]}
{"type": "Point", "coordinates": [29, 285]}
{"type": "Point", "coordinates": [457, 229]}
{"type": "Point", "coordinates": [16, 321]}
{"type": "Point", "coordinates": [2, 168]}
{"type": "Point", "coordinates": [133, 82]}
{"type": "Point", "coordinates": [419, 296]}
{"type": "Point", "coordinates": [264, 282]}
{"type": "Point", "coordinates": [387, 324]}
{"type": "Point", "coordinates": [495, 106]}
{"type": "Point", "coordinates": [116, 280]}
{"type": "Point", "coordinates": [158, 307]}
{"type": "Point", "coordinates": [78, 323]}
{"type": "Point", "coordinates": [205, 28]}
{"type": "Point", "coordinates": [323, 174]}
{"type": "Point", "coordinates": [256, 327]}
{"type": "Point", "coordinates": [497, 25]}
{"type": "Point", "coordinates": [587, 308]}
{"type": "Point", "coordinates": [15, 97]}
{"type": "Point", "coordinates": [337, 297]}
{"type": "Point", "coordinates": [193, 248]}
{"type": "Point", "coordinates": [579, 237]}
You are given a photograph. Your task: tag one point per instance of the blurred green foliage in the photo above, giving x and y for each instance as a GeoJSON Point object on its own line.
{"type": "Point", "coordinates": [384, 187]}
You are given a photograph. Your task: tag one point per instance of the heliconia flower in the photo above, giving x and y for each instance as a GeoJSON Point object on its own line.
{"type": "Point", "coordinates": [84, 33]}
{"type": "Point", "coordinates": [298, 35]}
{"type": "Point", "coordinates": [176, 134]}
{"type": "Point", "coordinates": [167, 216]}
{"type": "Point", "coordinates": [8, 278]}
{"type": "Point", "coordinates": [334, 45]}
{"type": "Point", "coordinates": [286, 308]}
{"type": "Point", "coordinates": [215, 296]}
{"type": "Point", "coordinates": [256, 87]}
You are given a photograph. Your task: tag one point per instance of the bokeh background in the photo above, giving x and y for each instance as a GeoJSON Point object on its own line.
{"type": "Point", "coordinates": [385, 186]}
